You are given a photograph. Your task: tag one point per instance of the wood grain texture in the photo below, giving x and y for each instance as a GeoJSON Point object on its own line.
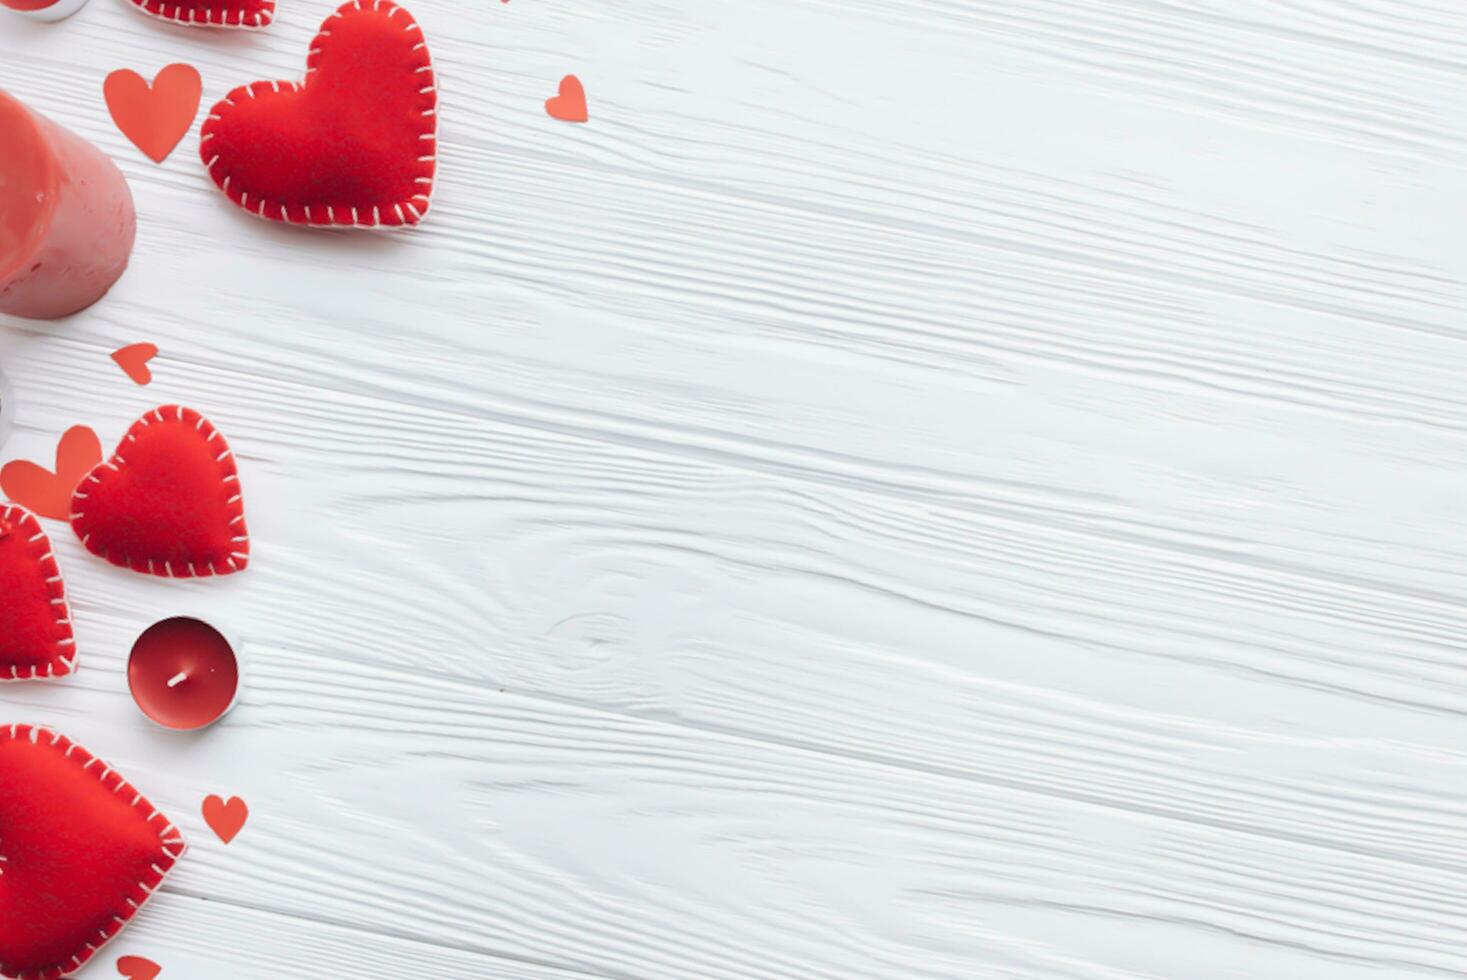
{"type": "Point", "coordinates": [959, 488]}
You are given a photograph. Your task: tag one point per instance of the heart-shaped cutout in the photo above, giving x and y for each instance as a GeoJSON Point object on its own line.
{"type": "Point", "coordinates": [570, 104]}
{"type": "Point", "coordinates": [168, 502]}
{"type": "Point", "coordinates": [36, 638]}
{"type": "Point", "coordinates": [246, 14]}
{"type": "Point", "coordinates": [134, 358]}
{"type": "Point", "coordinates": [354, 145]}
{"type": "Point", "coordinates": [138, 968]}
{"type": "Point", "coordinates": [154, 117]}
{"type": "Point", "coordinates": [44, 492]}
{"type": "Point", "coordinates": [81, 851]}
{"type": "Point", "coordinates": [226, 819]}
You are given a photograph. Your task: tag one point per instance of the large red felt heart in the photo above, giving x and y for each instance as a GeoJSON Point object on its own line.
{"type": "Point", "coordinates": [211, 13]}
{"type": "Point", "coordinates": [81, 851]}
{"type": "Point", "coordinates": [35, 623]}
{"type": "Point", "coordinates": [167, 502]}
{"type": "Point", "coordinates": [355, 144]}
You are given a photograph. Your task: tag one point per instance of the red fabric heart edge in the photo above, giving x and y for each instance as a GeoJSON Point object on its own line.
{"type": "Point", "coordinates": [168, 835]}
{"type": "Point", "coordinates": [239, 19]}
{"type": "Point", "coordinates": [228, 472]}
{"type": "Point", "coordinates": [60, 664]}
{"type": "Point", "coordinates": [402, 214]}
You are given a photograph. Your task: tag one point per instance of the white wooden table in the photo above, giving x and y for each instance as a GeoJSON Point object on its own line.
{"type": "Point", "coordinates": [940, 489]}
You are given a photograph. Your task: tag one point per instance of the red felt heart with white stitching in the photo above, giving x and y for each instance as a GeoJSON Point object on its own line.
{"type": "Point", "coordinates": [211, 13]}
{"type": "Point", "coordinates": [355, 144]}
{"type": "Point", "coordinates": [81, 851]}
{"type": "Point", "coordinates": [168, 502]}
{"type": "Point", "coordinates": [36, 638]}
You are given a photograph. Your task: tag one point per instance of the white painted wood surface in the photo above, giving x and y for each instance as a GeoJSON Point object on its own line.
{"type": "Point", "coordinates": [942, 489]}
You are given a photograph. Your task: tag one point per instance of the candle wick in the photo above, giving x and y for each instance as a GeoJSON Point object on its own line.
{"type": "Point", "coordinates": [177, 679]}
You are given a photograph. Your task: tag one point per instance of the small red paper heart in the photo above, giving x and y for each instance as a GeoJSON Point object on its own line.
{"type": "Point", "coordinates": [155, 118]}
{"type": "Point", "coordinates": [355, 144]}
{"type": "Point", "coordinates": [47, 493]}
{"type": "Point", "coordinates": [225, 819]}
{"type": "Point", "coordinates": [247, 14]}
{"type": "Point", "coordinates": [134, 358]}
{"type": "Point", "coordinates": [138, 968]}
{"type": "Point", "coordinates": [168, 501]}
{"type": "Point", "coordinates": [36, 638]}
{"type": "Point", "coordinates": [570, 104]}
{"type": "Point", "coordinates": [81, 851]}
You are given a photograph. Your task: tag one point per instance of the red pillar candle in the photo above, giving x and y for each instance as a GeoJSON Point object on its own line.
{"type": "Point", "coordinates": [183, 673]}
{"type": "Point", "coordinates": [44, 9]}
{"type": "Point", "coordinates": [66, 217]}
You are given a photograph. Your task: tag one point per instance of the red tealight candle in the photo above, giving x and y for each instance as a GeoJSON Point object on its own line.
{"type": "Point", "coordinates": [44, 9]}
{"type": "Point", "coordinates": [66, 217]}
{"type": "Point", "coordinates": [183, 673]}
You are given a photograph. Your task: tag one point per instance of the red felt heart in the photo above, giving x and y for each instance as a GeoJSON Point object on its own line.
{"type": "Point", "coordinates": [355, 144]}
{"type": "Point", "coordinates": [248, 14]}
{"type": "Point", "coordinates": [167, 502]}
{"type": "Point", "coordinates": [81, 852]}
{"type": "Point", "coordinates": [35, 622]}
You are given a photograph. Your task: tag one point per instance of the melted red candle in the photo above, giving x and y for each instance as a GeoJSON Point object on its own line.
{"type": "Point", "coordinates": [183, 673]}
{"type": "Point", "coordinates": [66, 215]}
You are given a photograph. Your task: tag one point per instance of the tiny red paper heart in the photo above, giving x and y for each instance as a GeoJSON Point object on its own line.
{"type": "Point", "coordinates": [46, 493]}
{"type": "Point", "coordinates": [226, 819]}
{"type": "Point", "coordinates": [570, 104]}
{"type": "Point", "coordinates": [168, 502]}
{"type": "Point", "coordinates": [154, 118]}
{"type": "Point", "coordinates": [36, 638]}
{"type": "Point", "coordinates": [138, 968]}
{"type": "Point", "coordinates": [82, 852]}
{"type": "Point", "coordinates": [247, 14]}
{"type": "Point", "coordinates": [354, 145]}
{"type": "Point", "coordinates": [134, 358]}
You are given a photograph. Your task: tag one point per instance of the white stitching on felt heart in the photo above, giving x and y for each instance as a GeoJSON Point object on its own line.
{"type": "Point", "coordinates": [25, 523]}
{"type": "Point", "coordinates": [431, 133]}
{"type": "Point", "coordinates": [237, 560]}
{"type": "Point", "coordinates": [169, 835]}
{"type": "Point", "coordinates": [155, 8]}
